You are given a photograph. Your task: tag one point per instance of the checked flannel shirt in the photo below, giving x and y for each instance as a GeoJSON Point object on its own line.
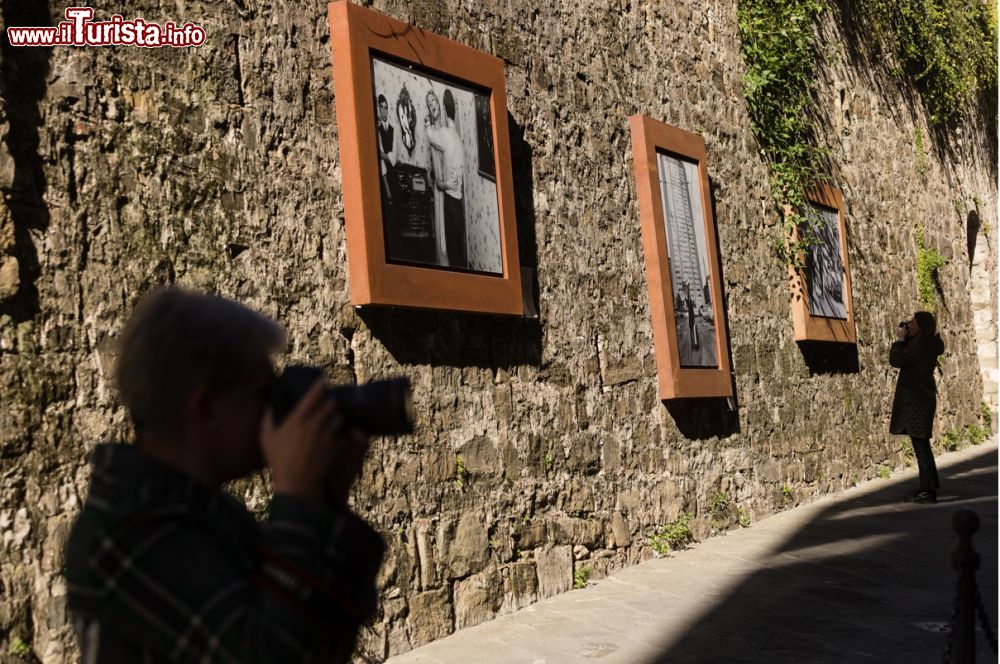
{"type": "Point", "coordinates": [160, 568]}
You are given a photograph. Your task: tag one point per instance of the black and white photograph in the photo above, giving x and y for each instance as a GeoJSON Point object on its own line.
{"type": "Point", "coordinates": [824, 266]}
{"type": "Point", "coordinates": [439, 200]}
{"type": "Point", "coordinates": [684, 221]}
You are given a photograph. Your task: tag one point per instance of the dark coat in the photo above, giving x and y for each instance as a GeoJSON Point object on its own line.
{"type": "Point", "coordinates": [916, 393]}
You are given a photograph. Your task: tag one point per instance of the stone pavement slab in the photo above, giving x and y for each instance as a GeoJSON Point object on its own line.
{"type": "Point", "coordinates": [857, 577]}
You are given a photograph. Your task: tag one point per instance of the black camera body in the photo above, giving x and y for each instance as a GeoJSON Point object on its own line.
{"type": "Point", "coordinates": [379, 408]}
{"type": "Point", "coordinates": [905, 326]}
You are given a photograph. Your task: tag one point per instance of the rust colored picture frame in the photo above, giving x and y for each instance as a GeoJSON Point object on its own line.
{"type": "Point", "coordinates": [813, 320]}
{"type": "Point", "coordinates": [689, 332]}
{"type": "Point", "coordinates": [364, 43]}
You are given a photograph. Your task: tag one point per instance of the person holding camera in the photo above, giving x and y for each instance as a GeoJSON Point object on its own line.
{"type": "Point", "coordinates": [915, 354]}
{"type": "Point", "coordinates": [162, 563]}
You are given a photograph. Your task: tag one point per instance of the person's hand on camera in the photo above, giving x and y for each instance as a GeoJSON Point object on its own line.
{"type": "Point", "coordinates": [901, 333]}
{"type": "Point", "coordinates": [299, 451]}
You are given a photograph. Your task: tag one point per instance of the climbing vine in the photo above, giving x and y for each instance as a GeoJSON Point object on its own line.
{"type": "Point", "coordinates": [928, 261]}
{"type": "Point", "coordinates": [948, 48]}
{"type": "Point", "coordinates": [779, 49]}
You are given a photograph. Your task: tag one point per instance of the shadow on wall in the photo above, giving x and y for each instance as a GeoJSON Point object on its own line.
{"type": "Point", "coordinates": [714, 417]}
{"type": "Point", "coordinates": [442, 338]}
{"type": "Point", "coordinates": [830, 357]}
{"type": "Point", "coordinates": [23, 82]}
{"type": "Point", "coordinates": [972, 226]}
{"type": "Point", "coordinates": [866, 580]}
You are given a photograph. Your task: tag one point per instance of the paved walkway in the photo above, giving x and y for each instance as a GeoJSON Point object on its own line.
{"type": "Point", "coordinates": [856, 577]}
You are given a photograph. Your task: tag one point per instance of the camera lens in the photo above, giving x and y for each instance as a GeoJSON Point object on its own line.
{"type": "Point", "coordinates": [379, 408]}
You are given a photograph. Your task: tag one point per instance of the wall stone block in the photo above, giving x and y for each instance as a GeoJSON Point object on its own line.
{"type": "Point", "coordinates": [430, 616]}
{"type": "Point", "coordinates": [555, 570]}
{"type": "Point", "coordinates": [478, 598]}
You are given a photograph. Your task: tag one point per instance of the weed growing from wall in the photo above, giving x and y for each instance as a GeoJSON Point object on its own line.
{"type": "Point", "coordinates": [906, 447]}
{"type": "Point", "coordinates": [459, 472]}
{"type": "Point", "coordinates": [719, 511]}
{"type": "Point", "coordinates": [672, 536]}
{"type": "Point", "coordinates": [976, 434]}
{"type": "Point", "coordinates": [918, 147]}
{"type": "Point", "coordinates": [786, 493]}
{"type": "Point", "coordinates": [928, 262]}
{"type": "Point", "coordinates": [951, 440]}
{"type": "Point", "coordinates": [19, 648]}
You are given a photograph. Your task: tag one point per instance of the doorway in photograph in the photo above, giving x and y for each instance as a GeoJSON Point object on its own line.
{"type": "Point", "coordinates": [824, 267]}
{"type": "Point", "coordinates": [684, 222]}
{"type": "Point", "coordinates": [436, 170]}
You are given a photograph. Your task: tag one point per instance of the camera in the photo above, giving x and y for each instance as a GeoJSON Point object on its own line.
{"type": "Point", "coordinates": [905, 326]}
{"type": "Point", "coordinates": [379, 408]}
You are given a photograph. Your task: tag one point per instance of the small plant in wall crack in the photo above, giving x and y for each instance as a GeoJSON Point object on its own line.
{"type": "Point", "coordinates": [976, 434]}
{"type": "Point", "coordinates": [883, 473]}
{"type": "Point", "coordinates": [718, 510]}
{"type": "Point", "coordinates": [672, 536]}
{"type": "Point", "coordinates": [921, 155]}
{"type": "Point", "coordinates": [951, 440]}
{"type": "Point", "coordinates": [459, 472]}
{"type": "Point", "coordinates": [906, 447]}
{"type": "Point", "coordinates": [18, 648]}
{"type": "Point", "coordinates": [581, 576]}
{"type": "Point", "coordinates": [786, 493]}
{"type": "Point", "coordinates": [928, 262]}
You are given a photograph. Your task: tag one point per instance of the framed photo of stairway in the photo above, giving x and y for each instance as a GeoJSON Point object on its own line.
{"type": "Point", "coordinates": [822, 305]}
{"type": "Point", "coordinates": [680, 245]}
{"type": "Point", "coordinates": [425, 161]}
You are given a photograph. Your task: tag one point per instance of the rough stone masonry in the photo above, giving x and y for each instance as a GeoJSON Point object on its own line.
{"type": "Point", "coordinates": [541, 447]}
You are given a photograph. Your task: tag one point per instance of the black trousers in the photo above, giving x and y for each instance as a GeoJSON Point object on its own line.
{"type": "Point", "coordinates": [454, 232]}
{"type": "Point", "coordinates": [925, 462]}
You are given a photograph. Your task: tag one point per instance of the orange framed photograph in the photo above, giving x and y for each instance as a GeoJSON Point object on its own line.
{"type": "Point", "coordinates": [680, 245]}
{"type": "Point", "coordinates": [425, 161]}
{"type": "Point", "coordinates": [822, 305]}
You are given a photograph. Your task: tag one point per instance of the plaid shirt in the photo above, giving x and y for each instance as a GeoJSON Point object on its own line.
{"type": "Point", "coordinates": [160, 568]}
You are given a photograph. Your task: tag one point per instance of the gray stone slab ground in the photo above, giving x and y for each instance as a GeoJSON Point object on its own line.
{"type": "Point", "coordinates": [857, 577]}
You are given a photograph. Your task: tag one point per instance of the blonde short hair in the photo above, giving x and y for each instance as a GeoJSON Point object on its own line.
{"type": "Point", "coordinates": [176, 341]}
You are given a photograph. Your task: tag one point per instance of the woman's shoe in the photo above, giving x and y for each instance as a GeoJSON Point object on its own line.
{"type": "Point", "coordinates": [925, 497]}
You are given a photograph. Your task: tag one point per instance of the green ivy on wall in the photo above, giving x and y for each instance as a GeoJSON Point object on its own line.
{"type": "Point", "coordinates": [948, 47]}
{"type": "Point", "coordinates": [928, 261]}
{"type": "Point", "coordinates": [779, 49]}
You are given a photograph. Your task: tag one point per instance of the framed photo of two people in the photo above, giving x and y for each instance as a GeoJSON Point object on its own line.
{"type": "Point", "coordinates": [425, 158]}
{"type": "Point", "coordinates": [680, 245]}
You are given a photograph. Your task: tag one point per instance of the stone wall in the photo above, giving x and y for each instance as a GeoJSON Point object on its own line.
{"type": "Point", "coordinates": [541, 446]}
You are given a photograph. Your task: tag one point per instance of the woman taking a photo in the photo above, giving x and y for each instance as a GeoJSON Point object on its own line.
{"type": "Point", "coordinates": [915, 354]}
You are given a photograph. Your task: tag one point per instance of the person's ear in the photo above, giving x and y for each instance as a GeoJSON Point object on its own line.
{"type": "Point", "coordinates": [200, 408]}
